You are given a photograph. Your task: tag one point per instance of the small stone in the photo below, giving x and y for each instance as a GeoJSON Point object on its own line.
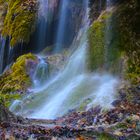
{"type": "Point", "coordinates": [138, 126]}
{"type": "Point", "coordinates": [135, 118]}
{"type": "Point", "coordinates": [118, 133]}
{"type": "Point", "coordinates": [129, 130]}
{"type": "Point", "coordinates": [100, 129]}
{"type": "Point", "coordinates": [116, 102]}
{"type": "Point", "coordinates": [80, 138]}
{"type": "Point", "coordinates": [54, 138]}
{"type": "Point", "coordinates": [95, 120]}
{"type": "Point", "coordinates": [122, 138]}
{"type": "Point", "coordinates": [134, 125]}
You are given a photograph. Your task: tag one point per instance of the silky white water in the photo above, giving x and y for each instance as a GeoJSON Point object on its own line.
{"type": "Point", "coordinates": [41, 73]}
{"type": "Point", "coordinates": [71, 87]}
{"type": "Point", "coordinates": [47, 8]}
{"type": "Point", "coordinates": [61, 25]}
{"type": "Point", "coordinates": [3, 41]}
{"type": "Point", "coordinates": [68, 90]}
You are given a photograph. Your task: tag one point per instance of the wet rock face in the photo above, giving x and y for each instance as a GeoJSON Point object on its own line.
{"type": "Point", "coordinates": [56, 63]}
{"type": "Point", "coordinates": [31, 66]}
{"type": "Point", "coordinates": [75, 15]}
{"type": "Point", "coordinates": [96, 6]}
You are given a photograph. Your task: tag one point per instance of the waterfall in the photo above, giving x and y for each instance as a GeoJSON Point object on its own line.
{"type": "Point", "coordinates": [108, 3]}
{"type": "Point", "coordinates": [64, 15]}
{"type": "Point", "coordinates": [4, 54]}
{"type": "Point", "coordinates": [108, 37]}
{"type": "Point", "coordinates": [41, 73]}
{"type": "Point", "coordinates": [42, 23]}
{"type": "Point", "coordinates": [71, 87]}
{"type": "Point", "coordinates": [47, 9]}
{"type": "Point", "coordinates": [61, 25]}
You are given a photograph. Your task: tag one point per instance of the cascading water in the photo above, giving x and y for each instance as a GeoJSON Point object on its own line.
{"type": "Point", "coordinates": [108, 37]}
{"type": "Point", "coordinates": [47, 8]}
{"type": "Point", "coordinates": [61, 25]}
{"type": "Point", "coordinates": [2, 47]}
{"type": "Point", "coordinates": [45, 17]}
{"type": "Point", "coordinates": [5, 51]}
{"type": "Point", "coordinates": [108, 3]}
{"type": "Point", "coordinates": [71, 87]}
{"type": "Point", "coordinates": [41, 73]}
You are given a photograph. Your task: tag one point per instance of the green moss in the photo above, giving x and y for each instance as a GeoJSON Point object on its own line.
{"type": "Point", "coordinates": [103, 52]}
{"type": "Point", "coordinates": [16, 80]}
{"type": "Point", "coordinates": [3, 10]}
{"type": "Point", "coordinates": [96, 50]}
{"type": "Point", "coordinates": [120, 125]}
{"type": "Point", "coordinates": [6, 99]}
{"type": "Point", "coordinates": [19, 22]}
{"type": "Point", "coordinates": [100, 135]}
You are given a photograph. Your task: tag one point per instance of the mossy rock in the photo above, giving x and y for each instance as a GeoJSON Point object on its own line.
{"type": "Point", "coordinates": [15, 81]}
{"type": "Point", "coordinates": [20, 19]}
{"type": "Point", "coordinates": [116, 48]}
{"type": "Point", "coordinates": [103, 53]}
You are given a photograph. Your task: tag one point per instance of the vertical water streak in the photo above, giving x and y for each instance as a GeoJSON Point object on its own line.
{"type": "Point", "coordinates": [41, 73]}
{"type": "Point", "coordinates": [107, 37]}
{"type": "Point", "coordinates": [47, 9]}
{"type": "Point", "coordinates": [61, 25]}
{"type": "Point", "coordinates": [43, 8]}
{"type": "Point", "coordinates": [108, 4]}
{"type": "Point", "coordinates": [42, 23]}
{"type": "Point", "coordinates": [100, 5]}
{"type": "Point", "coordinates": [4, 53]}
{"type": "Point", "coordinates": [45, 17]}
{"type": "Point", "coordinates": [2, 48]}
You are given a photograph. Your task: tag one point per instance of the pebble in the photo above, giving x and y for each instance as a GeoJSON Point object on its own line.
{"type": "Point", "coordinates": [129, 130]}
{"type": "Point", "coordinates": [118, 133]}
{"type": "Point", "coordinates": [135, 118]}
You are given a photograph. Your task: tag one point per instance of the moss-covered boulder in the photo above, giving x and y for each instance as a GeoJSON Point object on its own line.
{"type": "Point", "coordinates": [14, 82]}
{"type": "Point", "coordinates": [19, 22]}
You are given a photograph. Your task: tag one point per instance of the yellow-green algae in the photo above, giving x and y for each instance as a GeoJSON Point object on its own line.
{"type": "Point", "coordinates": [19, 22]}
{"type": "Point", "coordinates": [15, 80]}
